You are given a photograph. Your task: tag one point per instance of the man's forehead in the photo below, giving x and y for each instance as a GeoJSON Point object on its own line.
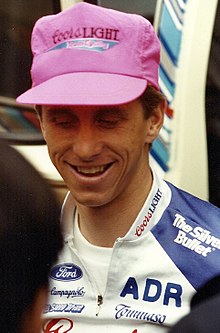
{"type": "Point", "coordinates": [82, 108]}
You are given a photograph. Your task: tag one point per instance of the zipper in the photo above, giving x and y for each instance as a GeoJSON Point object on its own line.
{"type": "Point", "coordinates": [90, 277]}
{"type": "Point", "coordinates": [99, 303]}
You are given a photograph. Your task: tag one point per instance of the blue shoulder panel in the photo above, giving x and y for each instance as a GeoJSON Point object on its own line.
{"type": "Point", "coordinates": [189, 232]}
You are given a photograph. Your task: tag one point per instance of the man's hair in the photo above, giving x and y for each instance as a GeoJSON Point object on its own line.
{"type": "Point", "coordinates": [30, 236]}
{"type": "Point", "coordinates": [151, 99]}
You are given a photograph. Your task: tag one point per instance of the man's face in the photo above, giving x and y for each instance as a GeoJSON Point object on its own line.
{"type": "Point", "coordinates": [100, 151]}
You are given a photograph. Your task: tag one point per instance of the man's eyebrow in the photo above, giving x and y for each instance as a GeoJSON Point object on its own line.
{"type": "Point", "coordinates": [51, 112]}
{"type": "Point", "coordinates": [116, 110]}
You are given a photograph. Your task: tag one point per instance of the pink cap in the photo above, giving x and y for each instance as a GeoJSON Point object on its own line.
{"type": "Point", "coordinates": [90, 55]}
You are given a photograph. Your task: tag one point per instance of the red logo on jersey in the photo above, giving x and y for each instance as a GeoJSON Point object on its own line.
{"type": "Point", "coordinates": [58, 325]}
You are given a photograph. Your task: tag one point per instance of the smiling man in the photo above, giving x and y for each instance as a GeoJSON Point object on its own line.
{"type": "Point", "coordinates": [137, 248]}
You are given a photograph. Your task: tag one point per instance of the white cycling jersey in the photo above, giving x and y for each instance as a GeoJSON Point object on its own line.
{"type": "Point", "coordinates": [172, 248]}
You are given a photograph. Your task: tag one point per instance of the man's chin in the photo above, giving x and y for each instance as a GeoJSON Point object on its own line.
{"type": "Point", "coordinates": [94, 201]}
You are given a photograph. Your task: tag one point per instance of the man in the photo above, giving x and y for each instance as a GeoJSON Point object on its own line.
{"type": "Point", "coordinates": [30, 239]}
{"type": "Point", "coordinates": [137, 248]}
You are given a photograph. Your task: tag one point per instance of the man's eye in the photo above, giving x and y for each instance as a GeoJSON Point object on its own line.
{"type": "Point", "coordinates": [64, 122]}
{"type": "Point", "coordinates": [109, 123]}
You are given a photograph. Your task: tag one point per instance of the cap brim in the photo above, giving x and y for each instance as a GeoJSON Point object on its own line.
{"type": "Point", "coordinates": [85, 89]}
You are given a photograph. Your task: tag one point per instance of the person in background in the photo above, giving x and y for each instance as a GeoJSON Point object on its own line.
{"type": "Point", "coordinates": [136, 247]}
{"type": "Point", "coordinates": [30, 239]}
{"type": "Point", "coordinates": [213, 112]}
{"type": "Point", "coordinates": [204, 314]}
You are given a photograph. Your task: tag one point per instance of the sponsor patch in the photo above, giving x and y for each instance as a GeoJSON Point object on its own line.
{"type": "Point", "coordinates": [88, 44]}
{"type": "Point", "coordinates": [150, 213]}
{"type": "Point", "coordinates": [154, 290]}
{"type": "Point", "coordinates": [196, 239]}
{"type": "Point", "coordinates": [85, 38]}
{"type": "Point", "coordinates": [63, 307]}
{"type": "Point", "coordinates": [70, 293]}
{"type": "Point", "coordinates": [58, 325]}
{"type": "Point", "coordinates": [66, 272]}
{"type": "Point", "coordinates": [85, 33]}
{"type": "Point", "coordinates": [126, 311]}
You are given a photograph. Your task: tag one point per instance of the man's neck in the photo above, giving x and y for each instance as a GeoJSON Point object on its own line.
{"type": "Point", "coordinates": [101, 226]}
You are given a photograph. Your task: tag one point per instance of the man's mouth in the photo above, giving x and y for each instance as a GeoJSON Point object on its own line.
{"type": "Point", "coordinates": [92, 171]}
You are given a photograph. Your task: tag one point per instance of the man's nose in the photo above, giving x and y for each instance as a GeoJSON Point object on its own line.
{"type": "Point", "coordinates": [87, 143]}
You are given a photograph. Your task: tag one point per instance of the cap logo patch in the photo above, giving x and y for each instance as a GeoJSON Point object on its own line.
{"type": "Point", "coordinates": [86, 38]}
{"type": "Point", "coordinates": [89, 44]}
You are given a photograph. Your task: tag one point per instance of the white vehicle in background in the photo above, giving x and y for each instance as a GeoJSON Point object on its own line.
{"type": "Point", "coordinates": [180, 153]}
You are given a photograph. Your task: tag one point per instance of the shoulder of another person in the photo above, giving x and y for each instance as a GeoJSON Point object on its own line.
{"type": "Point", "coordinates": [204, 318]}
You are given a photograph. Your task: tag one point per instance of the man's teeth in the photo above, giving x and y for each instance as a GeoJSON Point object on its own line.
{"type": "Point", "coordinates": [90, 171]}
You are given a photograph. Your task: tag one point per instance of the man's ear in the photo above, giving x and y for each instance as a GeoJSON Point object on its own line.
{"type": "Point", "coordinates": [155, 122]}
{"type": "Point", "coordinates": [32, 320]}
